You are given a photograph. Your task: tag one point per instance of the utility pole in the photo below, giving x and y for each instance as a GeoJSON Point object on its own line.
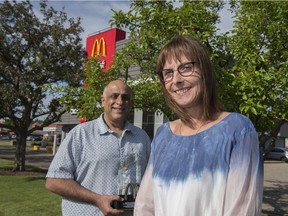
{"type": "Point", "coordinates": [126, 75]}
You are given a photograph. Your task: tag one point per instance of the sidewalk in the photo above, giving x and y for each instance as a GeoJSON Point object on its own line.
{"type": "Point", "coordinates": [39, 158]}
{"type": "Point", "coordinates": [275, 196]}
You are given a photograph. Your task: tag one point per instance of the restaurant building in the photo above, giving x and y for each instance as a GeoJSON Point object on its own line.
{"type": "Point", "coordinates": [106, 43]}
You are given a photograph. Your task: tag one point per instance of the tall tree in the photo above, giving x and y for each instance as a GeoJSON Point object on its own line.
{"type": "Point", "coordinates": [36, 55]}
{"type": "Point", "coordinates": [260, 49]}
{"type": "Point", "coordinates": [250, 62]}
{"type": "Point", "coordinates": [87, 99]}
{"type": "Point", "coordinates": [150, 25]}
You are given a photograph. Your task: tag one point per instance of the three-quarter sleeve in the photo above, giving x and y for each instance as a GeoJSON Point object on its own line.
{"type": "Point", "coordinates": [244, 190]}
{"type": "Point", "coordinates": [144, 205]}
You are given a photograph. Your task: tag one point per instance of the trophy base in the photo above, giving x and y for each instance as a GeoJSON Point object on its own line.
{"type": "Point", "coordinates": [126, 205]}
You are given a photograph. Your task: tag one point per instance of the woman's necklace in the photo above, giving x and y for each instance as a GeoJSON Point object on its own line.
{"type": "Point", "coordinates": [198, 129]}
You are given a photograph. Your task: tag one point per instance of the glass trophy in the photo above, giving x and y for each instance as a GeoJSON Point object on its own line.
{"type": "Point", "coordinates": [129, 176]}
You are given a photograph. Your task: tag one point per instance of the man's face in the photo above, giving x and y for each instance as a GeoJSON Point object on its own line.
{"type": "Point", "coordinates": [116, 101]}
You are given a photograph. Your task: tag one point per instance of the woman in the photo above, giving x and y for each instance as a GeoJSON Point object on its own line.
{"type": "Point", "coordinates": [208, 161]}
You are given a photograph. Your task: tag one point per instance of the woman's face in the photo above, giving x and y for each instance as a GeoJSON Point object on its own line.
{"type": "Point", "coordinates": [185, 89]}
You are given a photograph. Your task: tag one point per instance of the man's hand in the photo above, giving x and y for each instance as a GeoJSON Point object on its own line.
{"type": "Point", "coordinates": [104, 202]}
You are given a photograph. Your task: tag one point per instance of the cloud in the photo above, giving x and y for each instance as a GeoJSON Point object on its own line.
{"type": "Point", "coordinates": [95, 15]}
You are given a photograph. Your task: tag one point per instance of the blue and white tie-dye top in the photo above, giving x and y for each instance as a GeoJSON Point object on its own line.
{"type": "Point", "coordinates": [216, 172]}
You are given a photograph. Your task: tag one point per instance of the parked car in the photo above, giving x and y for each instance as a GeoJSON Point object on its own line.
{"type": "Point", "coordinates": [278, 153]}
{"type": "Point", "coordinates": [37, 138]}
{"type": "Point", "coordinates": [30, 138]}
{"type": "Point", "coordinates": [5, 137]}
{"type": "Point", "coordinates": [34, 138]}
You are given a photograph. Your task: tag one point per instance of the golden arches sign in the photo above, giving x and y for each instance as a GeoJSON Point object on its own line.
{"type": "Point", "coordinates": [96, 49]}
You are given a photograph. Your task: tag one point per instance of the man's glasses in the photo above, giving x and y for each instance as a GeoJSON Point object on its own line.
{"type": "Point", "coordinates": [185, 70]}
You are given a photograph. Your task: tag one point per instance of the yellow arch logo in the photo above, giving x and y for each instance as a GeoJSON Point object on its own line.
{"type": "Point", "coordinates": [96, 49]}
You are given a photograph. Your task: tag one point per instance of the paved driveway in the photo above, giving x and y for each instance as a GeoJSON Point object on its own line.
{"type": "Point", "coordinates": [275, 200]}
{"type": "Point", "coordinates": [38, 158]}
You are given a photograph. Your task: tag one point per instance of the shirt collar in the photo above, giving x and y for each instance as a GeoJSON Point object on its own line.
{"type": "Point", "coordinates": [103, 127]}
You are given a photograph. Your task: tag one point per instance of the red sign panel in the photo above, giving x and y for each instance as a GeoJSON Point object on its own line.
{"type": "Point", "coordinates": [103, 44]}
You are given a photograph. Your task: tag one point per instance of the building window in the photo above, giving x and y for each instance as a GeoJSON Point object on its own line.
{"type": "Point", "coordinates": [130, 116]}
{"type": "Point", "coordinates": [148, 123]}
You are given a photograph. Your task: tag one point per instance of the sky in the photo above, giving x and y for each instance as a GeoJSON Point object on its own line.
{"type": "Point", "coordinates": [95, 15]}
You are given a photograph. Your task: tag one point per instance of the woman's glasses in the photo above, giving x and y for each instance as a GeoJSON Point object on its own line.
{"type": "Point", "coordinates": [185, 70]}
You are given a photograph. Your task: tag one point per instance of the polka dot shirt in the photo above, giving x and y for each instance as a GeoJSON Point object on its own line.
{"type": "Point", "coordinates": [91, 154]}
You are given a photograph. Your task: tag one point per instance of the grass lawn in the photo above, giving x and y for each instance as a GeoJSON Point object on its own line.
{"type": "Point", "coordinates": [5, 143]}
{"type": "Point", "coordinates": [26, 195]}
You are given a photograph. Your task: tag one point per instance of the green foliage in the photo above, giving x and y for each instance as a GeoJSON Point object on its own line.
{"type": "Point", "coordinates": [151, 24]}
{"type": "Point", "coordinates": [148, 94]}
{"type": "Point", "coordinates": [88, 99]}
{"type": "Point", "coordinates": [259, 47]}
{"type": "Point", "coordinates": [36, 56]}
{"type": "Point", "coordinates": [250, 61]}
{"type": "Point", "coordinates": [47, 141]}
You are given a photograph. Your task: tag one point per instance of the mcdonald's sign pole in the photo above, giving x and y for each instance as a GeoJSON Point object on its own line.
{"type": "Point", "coordinates": [126, 75]}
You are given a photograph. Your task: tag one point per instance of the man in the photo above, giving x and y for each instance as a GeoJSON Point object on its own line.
{"type": "Point", "coordinates": [85, 169]}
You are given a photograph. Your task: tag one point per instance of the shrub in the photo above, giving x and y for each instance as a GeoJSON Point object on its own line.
{"type": "Point", "coordinates": [49, 148]}
{"type": "Point", "coordinates": [35, 144]}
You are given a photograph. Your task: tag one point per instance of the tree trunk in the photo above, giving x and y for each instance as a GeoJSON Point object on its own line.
{"type": "Point", "coordinates": [20, 155]}
{"type": "Point", "coordinates": [272, 137]}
